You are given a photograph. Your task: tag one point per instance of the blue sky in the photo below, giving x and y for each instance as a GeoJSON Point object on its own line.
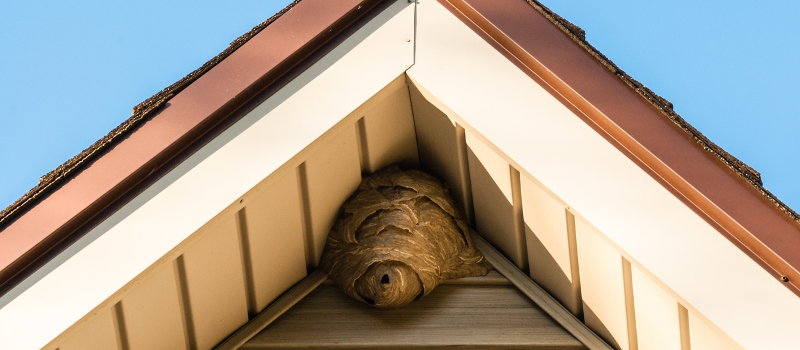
{"type": "Point", "coordinates": [71, 71]}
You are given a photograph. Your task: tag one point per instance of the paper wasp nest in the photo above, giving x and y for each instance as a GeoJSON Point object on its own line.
{"type": "Point", "coordinates": [396, 238]}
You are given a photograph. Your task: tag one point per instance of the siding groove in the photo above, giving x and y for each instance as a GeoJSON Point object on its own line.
{"type": "Point", "coordinates": [179, 268]}
{"type": "Point", "coordinates": [305, 213]}
{"type": "Point", "coordinates": [572, 243]}
{"type": "Point", "coordinates": [121, 333]}
{"type": "Point", "coordinates": [247, 262]}
{"type": "Point", "coordinates": [630, 310]}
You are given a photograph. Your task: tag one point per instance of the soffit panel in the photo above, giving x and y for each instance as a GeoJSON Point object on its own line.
{"type": "Point", "coordinates": [164, 215]}
{"type": "Point", "coordinates": [264, 235]}
{"type": "Point", "coordinates": [722, 187]}
{"type": "Point", "coordinates": [479, 87]}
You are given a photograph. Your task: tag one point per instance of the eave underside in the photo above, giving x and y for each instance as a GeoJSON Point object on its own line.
{"type": "Point", "coordinates": [426, 118]}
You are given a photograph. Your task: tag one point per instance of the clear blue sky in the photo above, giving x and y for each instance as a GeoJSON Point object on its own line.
{"type": "Point", "coordinates": [71, 71]}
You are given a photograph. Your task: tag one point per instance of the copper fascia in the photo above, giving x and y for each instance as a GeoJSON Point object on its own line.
{"type": "Point", "coordinates": [185, 118]}
{"type": "Point", "coordinates": [734, 206]}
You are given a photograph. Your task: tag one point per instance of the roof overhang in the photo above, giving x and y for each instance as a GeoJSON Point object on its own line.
{"type": "Point", "coordinates": [540, 104]}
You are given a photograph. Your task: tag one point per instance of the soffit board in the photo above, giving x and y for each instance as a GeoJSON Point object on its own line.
{"type": "Point", "coordinates": [548, 140]}
{"type": "Point", "coordinates": [139, 235]}
{"type": "Point", "coordinates": [720, 186]}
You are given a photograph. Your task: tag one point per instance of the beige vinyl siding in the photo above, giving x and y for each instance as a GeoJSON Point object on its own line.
{"type": "Point", "coordinates": [548, 246]}
{"type": "Point", "coordinates": [602, 287]}
{"type": "Point", "coordinates": [493, 201]}
{"type": "Point", "coordinates": [253, 251]}
{"type": "Point", "coordinates": [657, 314]}
{"type": "Point", "coordinates": [274, 231]}
{"type": "Point", "coordinates": [704, 337]}
{"type": "Point", "coordinates": [98, 333]}
{"type": "Point", "coordinates": [152, 313]}
{"type": "Point", "coordinates": [215, 285]}
{"type": "Point", "coordinates": [332, 174]}
{"type": "Point", "coordinates": [439, 150]}
{"type": "Point", "coordinates": [390, 134]}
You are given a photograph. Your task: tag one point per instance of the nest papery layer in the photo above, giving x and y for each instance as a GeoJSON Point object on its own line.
{"type": "Point", "coordinates": [398, 218]}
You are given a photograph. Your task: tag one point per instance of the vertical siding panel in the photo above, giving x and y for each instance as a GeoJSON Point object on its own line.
{"type": "Point", "coordinates": [97, 334]}
{"type": "Point", "coordinates": [333, 173]}
{"type": "Point", "coordinates": [492, 198]}
{"type": "Point", "coordinates": [548, 243]}
{"type": "Point", "coordinates": [181, 286]}
{"type": "Point", "coordinates": [630, 307]}
{"type": "Point", "coordinates": [247, 261]}
{"type": "Point", "coordinates": [275, 232]}
{"type": "Point", "coordinates": [704, 337]}
{"type": "Point", "coordinates": [390, 134]}
{"type": "Point", "coordinates": [438, 146]}
{"type": "Point", "coordinates": [602, 287]}
{"type": "Point", "coordinates": [152, 313]}
{"type": "Point", "coordinates": [657, 317]}
{"type": "Point", "coordinates": [462, 152]}
{"type": "Point", "coordinates": [683, 318]}
{"type": "Point", "coordinates": [215, 284]}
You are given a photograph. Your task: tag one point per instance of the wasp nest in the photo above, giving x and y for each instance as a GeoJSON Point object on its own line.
{"type": "Point", "coordinates": [396, 238]}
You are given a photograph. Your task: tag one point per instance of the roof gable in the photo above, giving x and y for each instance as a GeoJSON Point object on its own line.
{"type": "Point", "coordinates": [541, 109]}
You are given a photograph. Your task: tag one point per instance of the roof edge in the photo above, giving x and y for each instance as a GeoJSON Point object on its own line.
{"type": "Point", "coordinates": [747, 172]}
{"type": "Point", "coordinates": [140, 112]}
{"type": "Point", "coordinates": [739, 210]}
{"type": "Point", "coordinates": [44, 221]}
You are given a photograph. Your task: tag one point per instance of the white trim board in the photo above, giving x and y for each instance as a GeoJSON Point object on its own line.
{"type": "Point", "coordinates": [545, 140]}
{"type": "Point", "coordinates": [164, 215]}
